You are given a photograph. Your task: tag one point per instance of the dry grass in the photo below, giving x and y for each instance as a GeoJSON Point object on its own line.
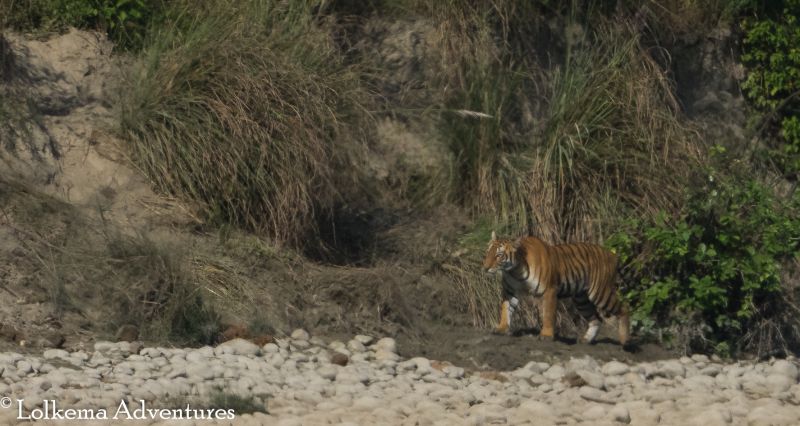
{"type": "Point", "coordinates": [614, 139]}
{"type": "Point", "coordinates": [247, 109]}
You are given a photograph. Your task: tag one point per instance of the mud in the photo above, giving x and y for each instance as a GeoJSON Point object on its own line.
{"type": "Point", "coordinates": [479, 349]}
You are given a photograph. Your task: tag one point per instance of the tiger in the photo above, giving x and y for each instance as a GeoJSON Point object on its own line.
{"type": "Point", "coordinates": [585, 272]}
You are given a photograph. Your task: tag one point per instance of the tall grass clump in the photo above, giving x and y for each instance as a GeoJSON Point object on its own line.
{"type": "Point", "coordinates": [613, 138]}
{"type": "Point", "coordinates": [247, 109]}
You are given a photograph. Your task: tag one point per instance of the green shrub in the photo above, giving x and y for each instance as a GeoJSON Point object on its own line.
{"type": "Point", "coordinates": [771, 53]}
{"type": "Point", "coordinates": [713, 273]}
{"type": "Point", "coordinates": [125, 21]}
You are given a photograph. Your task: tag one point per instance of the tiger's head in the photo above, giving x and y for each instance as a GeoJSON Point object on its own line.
{"type": "Point", "coordinates": [501, 255]}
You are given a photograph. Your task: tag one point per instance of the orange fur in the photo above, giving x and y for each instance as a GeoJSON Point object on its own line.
{"type": "Point", "coordinates": [586, 272]}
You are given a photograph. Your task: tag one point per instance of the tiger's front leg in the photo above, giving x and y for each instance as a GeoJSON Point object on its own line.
{"type": "Point", "coordinates": [507, 308]}
{"type": "Point", "coordinates": [549, 304]}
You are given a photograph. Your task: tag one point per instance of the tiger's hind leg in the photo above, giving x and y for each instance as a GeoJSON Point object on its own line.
{"type": "Point", "coordinates": [624, 326]}
{"type": "Point", "coordinates": [591, 332]}
{"type": "Point", "coordinates": [587, 310]}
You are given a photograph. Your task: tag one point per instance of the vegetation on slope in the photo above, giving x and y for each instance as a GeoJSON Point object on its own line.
{"type": "Point", "coordinates": [256, 110]}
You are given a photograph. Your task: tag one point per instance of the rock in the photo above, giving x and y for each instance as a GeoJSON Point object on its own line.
{"type": "Point", "coordinates": [615, 368]}
{"type": "Point", "coordinates": [102, 346]}
{"type": "Point", "coordinates": [24, 367]}
{"type": "Point", "coordinates": [772, 415]}
{"type": "Point", "coordinates": [135, 347]}
{"type": "Point", "coordinates": [711, 370]}
{"type": "Point", "coordinates": [365, 340]}
{"type": "Point", "coordinates": [536, 409]}
{"type": "Point", "coordinates": [127, 333]}
{"type": "Point", "coordinates": [571, 379]}
{"type": "Point", "coordinates": [55, 354]}
{"type": "Point", "coordinates": [299, 345]}
{"type": "Point", "coordinates": [355, 346]}
{"type": "Point", "coordinates": [595, 395]}
{"type": "Point", "coordinates": [339, 359]}
{"type": "Point", "coordinates": [620, 414]}
{"type": "Point", "coordinates": [777, 383]}
{"type": "Point", "coordinates": [670, 369]}
{"type": "Point", "coordinates": [594, 412]}
{"type": "Point", "coordinates": [699, 358]}
{"type": "Point", "coordinates": [300, 334]}
{"type": "Point", "coordinates": [238, 346]}
{"type": "Point", "coordinates": [423, 365]}
{"type": "Point", "coordinates": [367, 403]}
{"type": "Point", "coordinates": [489, 413]}
{"type": "Point", "coordinates": [785, 368]}
{"type": "Point", "coordinates": [385, 344]}
{"type": "Point", "coordinates": [384, 355]}
{"type": "Point", "coordinates": [586, 363]}
{"type": "Point", "coordinates": [592, 379]}
{"type": "Point", "coordinates": [327, 372]}
{"type": "Point", "coordinates": [555, 372]}
{"type": "Point", "coordinates": [454, 372]}
{"type": "Point", "coordinates": [712, 416]}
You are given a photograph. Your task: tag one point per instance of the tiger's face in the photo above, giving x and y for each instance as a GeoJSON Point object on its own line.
{"type": "Point", "coordinates": [501, 255]}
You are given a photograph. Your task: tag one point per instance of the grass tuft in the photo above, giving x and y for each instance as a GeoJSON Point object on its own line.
{"type": "Point", "coordinates": [247, 109]}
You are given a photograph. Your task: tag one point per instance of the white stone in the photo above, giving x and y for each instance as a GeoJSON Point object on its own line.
{"type": "Point", "coordinates": [777, 383]}
{"type": "Point", "coordinates": [596, 395]}
{"type": "Point", "coordinates": [24, 367]}
{"type": "Point", "coordinates": [592, 379]}
{"type": "Point", "coordinates": [615, 368]}
{"type": "Point", "coordinates": [555, 372]}
{"type": "Point", "coordinates": [387, 344]}
{"type": "Point", "coordinates": [453, 372]}
{"type": "Point", "coordinates": [364, 339]}
{"type": "Point", "coordinates": [55, 353]}
{"type": "Point", "coordinates": [537, 367]}
{"type": "Point", "coordinates": [238, 347]}
{"type": "Point", "coordinates": [670, 369]}
{"type": "Point", "coordinates": [785, 368]}
{"type": "Point", "coordinates": [104, 346]}
{"type": "Point", "coordinates": [620, 414]}
{"type": "Point", "coordinates": [355, 346]}
{"type": "Point", "coordinates": [594, 412]}
{"type": "Point", "coordinates": [300, 334]}
{"type": "Point", "coordinates": [327, 372]}
{"type": "Point", "coordinates": [385, 355]}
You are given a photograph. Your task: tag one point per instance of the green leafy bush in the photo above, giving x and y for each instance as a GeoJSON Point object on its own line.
{"type": "Point", "coordinates": [772, 56]}
{"type": "Point", "coordinates": [126, 21]}
{"type": "Point", "coordinates": [715, 270]}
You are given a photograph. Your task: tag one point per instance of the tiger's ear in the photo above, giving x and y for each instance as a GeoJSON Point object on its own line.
{"type": "Point", "coordinates": [494, 236]}
{"type": "Point", "coordinates": [517, 244]}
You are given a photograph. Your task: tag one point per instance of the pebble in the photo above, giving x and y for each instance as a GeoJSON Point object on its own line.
{"type": "Point", "coordinates": [386, 344]}
{"type": "Point", "coordinates": [300, 334]}
{"type": "Point", "coordinates": [236, 346]}
{"type": "Point", "coordinates": [615, 368]}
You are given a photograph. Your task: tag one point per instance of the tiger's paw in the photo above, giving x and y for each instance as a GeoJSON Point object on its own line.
{"type": "Point", "coordinates": [502, 331]}
{"type": "Point", "coordinates": [546, 337]}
